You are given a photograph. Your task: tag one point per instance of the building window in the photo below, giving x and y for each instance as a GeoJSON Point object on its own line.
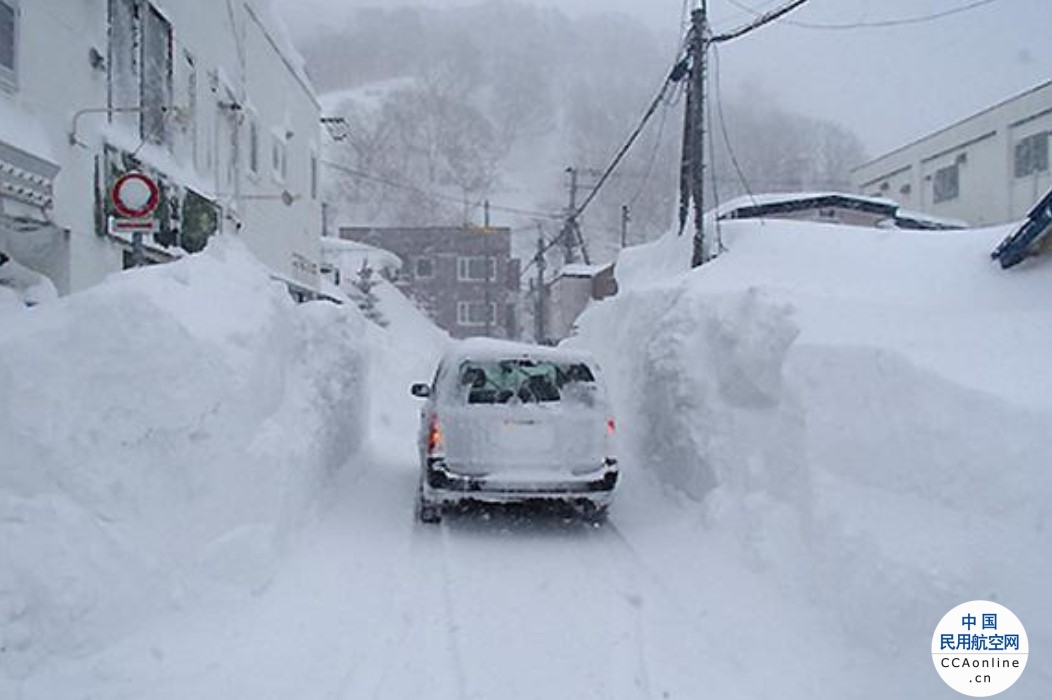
{"type": "Point", "coordinates": [253, 146]}
{"type": "Point", "coordinates": [278, 157]}
{"type": "Point", "coordinates": [313, 175]}
{"type": "Point", "coordinates": [474, 269]}
{"type": "Point", "coordinates": [140, 65]}
{"type": "Point", "coordinates": [190, 120]}
{"type": "Point", "coordinates": [946, 184]}
{"type": "Point", "coordinates": [8, 42]}
{"type": "Point", "coordinates": [473, 313]}
{"type": "Point", "coordinates": [424, 268]}
{"type": "Point", "coordinates": [156, 76]}
{"type": "Point", "coordinates": [1031, 155]}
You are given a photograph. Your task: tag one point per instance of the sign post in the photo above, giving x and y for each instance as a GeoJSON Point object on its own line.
{"type": "Point", "coordinates": [135, 197]}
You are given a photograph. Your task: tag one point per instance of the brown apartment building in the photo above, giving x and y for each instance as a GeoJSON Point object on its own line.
{"type": "Point", "coordinates": [463, 278]}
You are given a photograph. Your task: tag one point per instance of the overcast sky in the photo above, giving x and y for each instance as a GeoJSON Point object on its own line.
{"type": "Point", "coordinates": [889, 85]}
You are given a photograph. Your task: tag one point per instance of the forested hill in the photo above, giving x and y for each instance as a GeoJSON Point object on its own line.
{"type": "Point", "coordinates": [496, 100]}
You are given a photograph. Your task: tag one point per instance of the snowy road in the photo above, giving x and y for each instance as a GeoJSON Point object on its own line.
{"type": "Point", "coordinates": [370, 604]}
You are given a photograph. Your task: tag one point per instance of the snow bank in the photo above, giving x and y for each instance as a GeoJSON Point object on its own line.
{"type": "Point", "coordinates": [863, 413]}
{"type": "Point", "coordinates": [163, 435]}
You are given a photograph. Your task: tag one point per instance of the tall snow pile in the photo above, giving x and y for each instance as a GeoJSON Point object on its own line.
{"type": "Point", "coordinates": [163, 435]}
{"type": "Point", "coordinates": [864, 413]}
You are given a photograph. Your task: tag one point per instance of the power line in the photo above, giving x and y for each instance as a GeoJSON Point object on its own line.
{"type": "Point", "coordinates": [723, 125]}
{"type": "Point", "coordinates": [898, 22]}
{"type": "Point", "coordinates": [658, 140]}
{"type": "Point", "coordinates": [761, 19]}
{"type": "Point", "coordinates": [712, 175]}
{"type": "Point", "coordinates": [435, 196]}
{"type": "Point", "coordinates": [675, 75]}
{"type": "Point", "coordinates": [692, 163]}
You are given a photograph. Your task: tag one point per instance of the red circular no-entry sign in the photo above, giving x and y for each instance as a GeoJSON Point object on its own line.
{"type": "Point", "coordinates": [135, 196]}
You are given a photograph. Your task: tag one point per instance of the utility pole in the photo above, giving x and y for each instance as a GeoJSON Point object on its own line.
{"type": "Point", "coordinates": [694, 127]}
{"type": "Point", "coordinates": [692, 165]}
{"type": "Point", "coordinates": [569, 233]}
{"type": "Point", "coordinates": [539, 315]}
{"type": "Point", "coordinates": [625, 218]}
{"type": "Point", "coordinates": [488, 269]}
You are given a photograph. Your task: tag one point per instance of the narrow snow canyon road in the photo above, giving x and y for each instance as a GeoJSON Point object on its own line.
{"type": "Point", "coordinates": [371, 604]}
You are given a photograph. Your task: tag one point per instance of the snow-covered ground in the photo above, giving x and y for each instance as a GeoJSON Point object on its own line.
{"type": "Point", "coordinates": [862, 414]}
{"type": "Point", "coordinates": [830, 437]}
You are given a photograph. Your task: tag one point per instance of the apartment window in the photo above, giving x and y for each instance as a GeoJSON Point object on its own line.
{"type": "Point", "coordinates": [473, 313]}
{"type": "Point", "coordinates": [473, 269]}
{"type": "Point", "coordinates": [253, 146]}
{"type": "Point", "coordinates": [946, 184]}
{"type": "Point", "coordinates": [156, 75]}
{"type": "Point", "coordinates": [278, 157]}
{"type": "Point", "coordinates": [140, 65]}
{"type": "Point", "coordinates": [190, 122]}
{"type": "Point", "coordinates": [424, 268]}
{"type": "Point", "coordinates": [8, 42]}
{"type": "Point", "coordinates": [1031, 155]}
{"type": "Point", "coordinates": [313, 175]}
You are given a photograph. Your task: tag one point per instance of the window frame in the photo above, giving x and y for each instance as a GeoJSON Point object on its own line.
{"type": "Point", "coordinates": [944, 187]}
{"type": "Point", "coordinates": [464, 268]}
{"type": "Point", "coordinates": [279, 157]}
{"type": "Point", "coordinates": [464, 314]}
{"type": "Point", "coordinates": [161, 136]}
{"type": "Point", "coordinates": [252, 152]}
{"type": "Point", "coordinates": [416, 267]}
{"type": "Point", "coordinates": [9, 74]}
{"type": "Point", "coordinates": [1036, 161]}
{"type": "Point", "coordinates": [314, 174]}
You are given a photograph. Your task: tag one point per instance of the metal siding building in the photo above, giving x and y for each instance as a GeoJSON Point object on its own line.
{"type": "Point", "coordinates": [987, 169]}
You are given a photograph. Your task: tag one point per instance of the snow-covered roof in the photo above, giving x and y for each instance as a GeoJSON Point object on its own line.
{"type": "Point", "coordinates": [754, 206]}
{"type": "Point", "coordinates": [582, 270]}
{"type": "Point", "coordinates": [761, 202]}
{"type": "Point", "coordinates": [352, 253]}
{"type": "Point", "coordinates": [262, 11]}
{"type": "Point", "coordinates": [928, 221]}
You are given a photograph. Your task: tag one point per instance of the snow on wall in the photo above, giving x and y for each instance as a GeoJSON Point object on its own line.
{"type": "Point", "coordinates": [866, 415]}
{"type": "Point", "coordinates": [164, 433]}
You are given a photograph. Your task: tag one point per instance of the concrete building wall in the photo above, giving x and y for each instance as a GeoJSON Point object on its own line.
{"type": "Point", "coordinates": [968, 170]}
{"type": "Point", "coordinates": [223, 56]}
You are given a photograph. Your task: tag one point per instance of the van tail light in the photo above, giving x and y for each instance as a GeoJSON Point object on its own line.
{"type": "Point", "coordinates": [436, 442]}
{"type": "Point", "coordinates": [611, 431]}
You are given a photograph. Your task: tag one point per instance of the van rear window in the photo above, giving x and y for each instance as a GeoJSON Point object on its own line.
{"type": "Point", "coordinates": [540, 381]}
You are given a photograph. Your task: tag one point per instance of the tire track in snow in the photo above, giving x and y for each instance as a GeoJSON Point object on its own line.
{"type": "Point", "coordinates": [630, 592]}
{"type": "Point", "coordinates": [449, 613]}
{"type": "Point", "coordinates": [540, 603]}
{"type": "Point", "coordinates": [379, 671]}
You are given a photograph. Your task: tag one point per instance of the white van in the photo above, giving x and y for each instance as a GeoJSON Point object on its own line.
{"type": "Point", "coordinates": [513, 423]}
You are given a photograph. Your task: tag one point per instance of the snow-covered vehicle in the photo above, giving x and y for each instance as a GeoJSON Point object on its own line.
{"type": "Point", "coordinates": [514, 423]}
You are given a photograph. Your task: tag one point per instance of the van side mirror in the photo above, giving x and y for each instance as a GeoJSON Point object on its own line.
{"type": "Point", "coordinates": [421, 391]}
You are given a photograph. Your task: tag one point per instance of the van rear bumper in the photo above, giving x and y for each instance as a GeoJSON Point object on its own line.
{"type": "Point", "coordinates": [445, 486]}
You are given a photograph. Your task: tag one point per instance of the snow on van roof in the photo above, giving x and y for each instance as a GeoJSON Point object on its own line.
{"type": "Point", "coordinates": [492, 349]}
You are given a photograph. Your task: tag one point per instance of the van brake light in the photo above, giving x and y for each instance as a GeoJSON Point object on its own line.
{"type": "Point", "coordinates": [435, 438]}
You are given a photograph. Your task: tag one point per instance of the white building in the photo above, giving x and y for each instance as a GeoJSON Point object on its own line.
{"type": "Point", "coordinates": [208, 98]}
{"type": "Point", "coordinates": [988, 169]}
